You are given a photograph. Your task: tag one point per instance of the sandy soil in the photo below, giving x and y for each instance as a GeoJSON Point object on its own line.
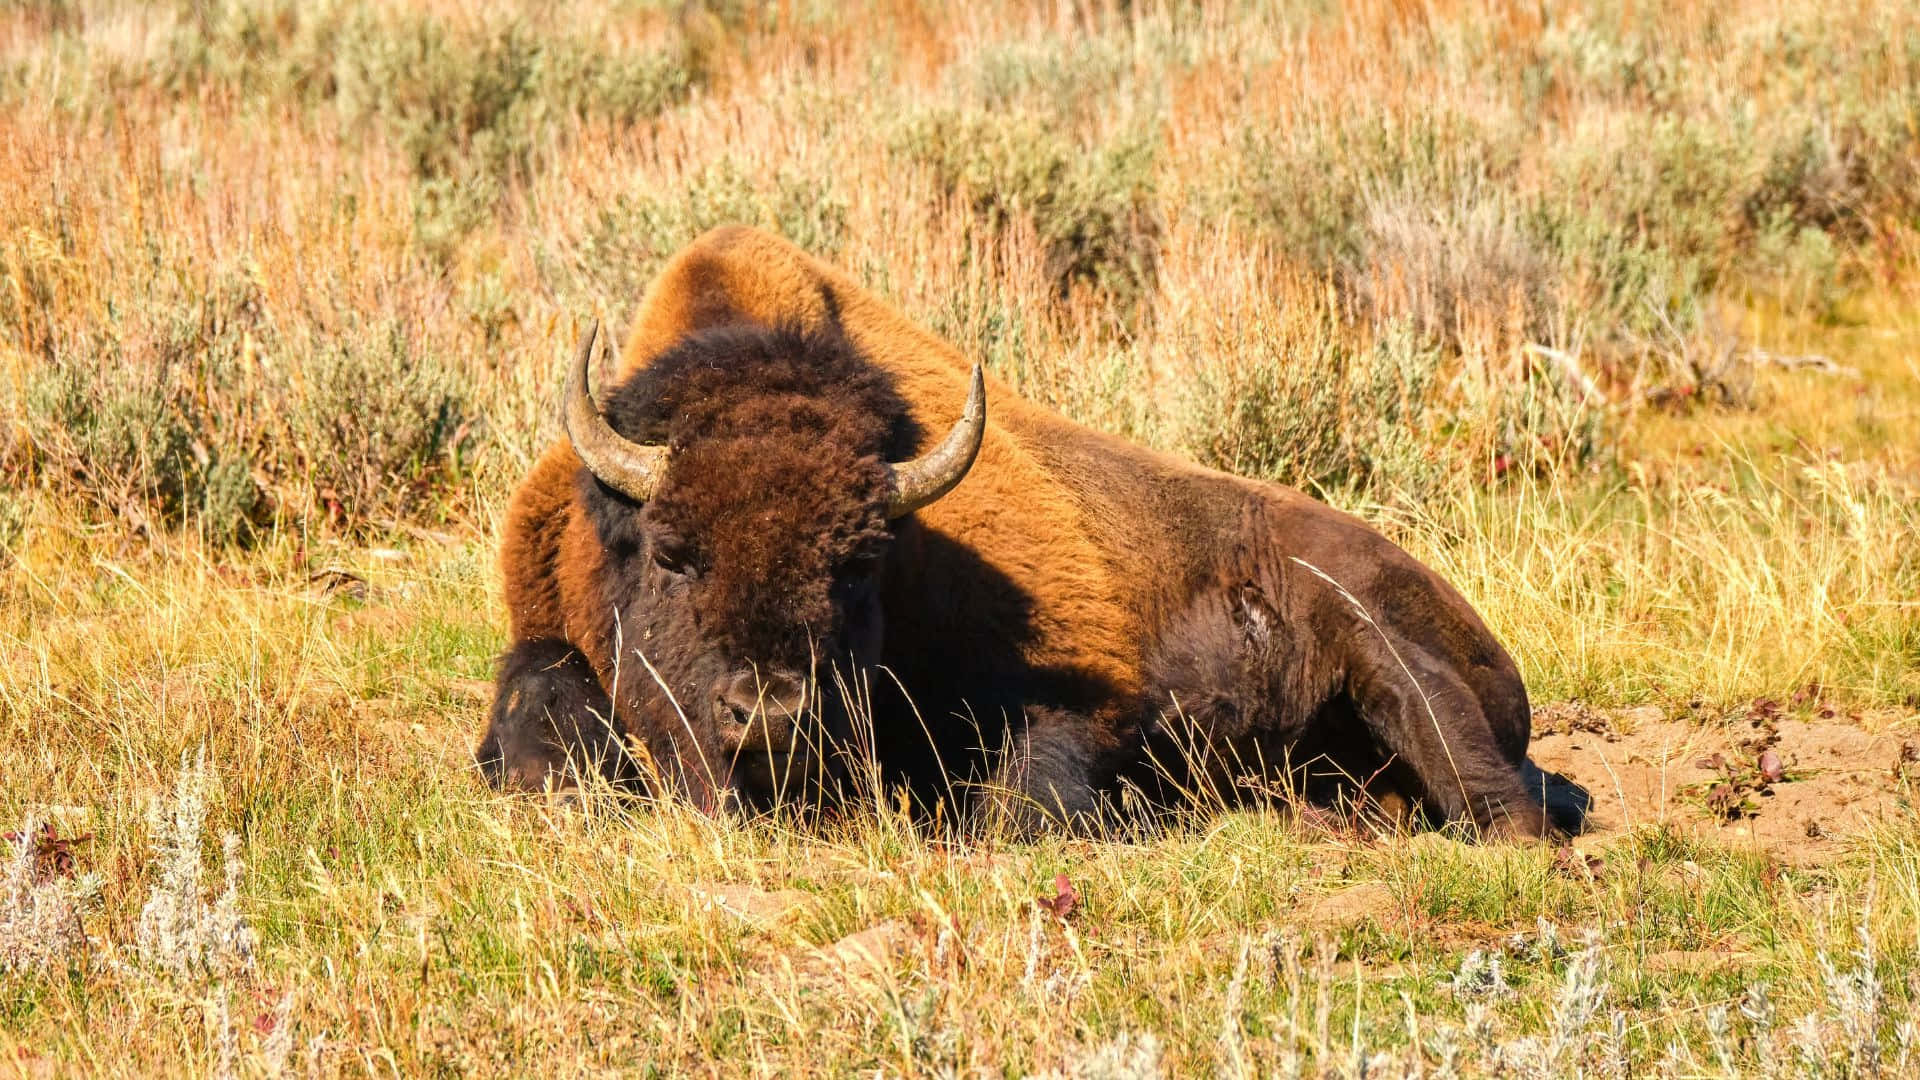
{"type": "Point", "coordinates": [1799, 788]}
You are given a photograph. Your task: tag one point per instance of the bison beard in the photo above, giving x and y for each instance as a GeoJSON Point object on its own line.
{"type": "Point", "coordinates": [699, 627]}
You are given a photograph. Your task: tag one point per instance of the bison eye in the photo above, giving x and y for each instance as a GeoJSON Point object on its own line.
{"type": "Point", "coordinates": [674, 558]}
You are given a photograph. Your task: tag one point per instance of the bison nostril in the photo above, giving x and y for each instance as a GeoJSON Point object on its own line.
{"type": "Point", "coordinates": [750, 693]}
{"type": "Point", "coordinates": [756, 711]}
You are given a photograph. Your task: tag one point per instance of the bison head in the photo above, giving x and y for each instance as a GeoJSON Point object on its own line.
{"type": "Point", "coordinates": [743, 488]}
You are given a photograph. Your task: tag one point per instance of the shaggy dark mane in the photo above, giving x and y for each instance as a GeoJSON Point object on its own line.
{"type": "Point", "coordinates": [777, 481]}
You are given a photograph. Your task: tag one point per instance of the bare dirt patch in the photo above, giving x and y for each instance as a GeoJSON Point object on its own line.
{"type": "Point", "coordinates": [1355, 904]}
{"type": "Point", "coordinates": [1798, 788]}
{"type": "Point", "coordinates": [873, 947]}
{"type": "Point", "coordinates": [753, 905]}
{"type": "Point", "coordinates": [862, 957]}
{"type": "Point", "coordinates": [1694, 961]}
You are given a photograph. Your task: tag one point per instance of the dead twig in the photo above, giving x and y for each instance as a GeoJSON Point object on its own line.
{"type": "Point", "coordinates": [1808, 362]}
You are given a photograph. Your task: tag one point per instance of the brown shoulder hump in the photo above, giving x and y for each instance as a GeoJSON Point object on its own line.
{"type": "Point", "coordinates": [729, 275]}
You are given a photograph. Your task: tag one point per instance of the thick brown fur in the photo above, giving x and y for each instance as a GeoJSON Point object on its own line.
{"type": "Point", "coordinates": [1071, 577]}
{"type": "Point", "coordinates": [810, 420]}
{"type": "Point", "coordinates": [754, 564]}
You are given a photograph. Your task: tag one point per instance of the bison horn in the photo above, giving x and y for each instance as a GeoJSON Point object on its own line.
{"type": "Point", "coordinates": [914, 484]}
{"type": "Point", "coordinates": [630, 468]}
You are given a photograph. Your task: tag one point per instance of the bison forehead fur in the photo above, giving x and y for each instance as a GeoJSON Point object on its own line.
{"type": "Point", "coordinates": [776, 489]}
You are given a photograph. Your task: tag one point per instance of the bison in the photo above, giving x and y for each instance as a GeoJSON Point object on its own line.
{"type": "Point", "coordinates": [793, 511]}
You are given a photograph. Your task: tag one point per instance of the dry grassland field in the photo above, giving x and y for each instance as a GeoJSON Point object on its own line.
{"type": "Point", "coordinates": [1609, 312]}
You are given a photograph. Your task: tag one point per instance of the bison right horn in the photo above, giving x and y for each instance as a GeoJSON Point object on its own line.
{"type": "Point", "coordinates": [630, 468]}
{"type": "Point", "coordinates": [914, 484]}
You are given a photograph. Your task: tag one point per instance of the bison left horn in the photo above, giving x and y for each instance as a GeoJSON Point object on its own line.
{"type": "Point", "coordinates": [630, 468]}
{"type": "Point", "coordinates": [914, 484]}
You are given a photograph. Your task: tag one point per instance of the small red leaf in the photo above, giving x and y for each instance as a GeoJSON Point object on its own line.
{"type": "Point", "coordinates": [52, 853]}
{"type": "Point", "coordinates": [1064, 900]}
{"type": "Point", "coordinates": [1577, 864]}
{"type": "Point", "coordinates": [1724, 801]}
{"type": "Point", "coordinates": [1771, 769]}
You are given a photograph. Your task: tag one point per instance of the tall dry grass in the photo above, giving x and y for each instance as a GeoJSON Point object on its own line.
{"type": "Point", "coordinates": [233, 214]}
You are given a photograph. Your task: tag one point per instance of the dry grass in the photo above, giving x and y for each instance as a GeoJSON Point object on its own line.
{"type": "Point", "coordinates": [284, 289]}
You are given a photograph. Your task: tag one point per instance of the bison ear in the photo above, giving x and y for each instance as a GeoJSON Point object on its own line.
{"type": "Point", "coordinates": [1253, 615]}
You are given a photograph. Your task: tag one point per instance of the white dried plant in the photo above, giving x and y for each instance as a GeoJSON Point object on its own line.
{"type": "Point", "coordinates": [1757, 1008]}
{"type": "Point", "coordinates": [277, 1048]}
{"type": "Point", "coordinates": [226, 1038]}
{"type": "Point", "coordinates": [1677, 1059]}
{"type": "Point", "coordinates": [39, 915]}
{"type": "Point", "coordinates": [1808, 1037]}
{"type": "Point", "coordinates": [1846, 1037]}
{"type": "Point", "coordinates": [1575, 1043]}
{"type": "Point", "coordinates": [1720, 1034]}
{"type": "Point", "coordinates": [1130, 1055]}
{"type": "Point", "coordinates": [1906, 1038]}
{"type": "Point", "coordinates": [1480, 976]}
{"type": "Point", "coordinates": [1480, 1030]}
{"type": "Point", "coordinates": [1857, 1001]}
{"type": "Point", "coordinates": [1447, 1045]}
{"type": "Point", "coordinates": [1583, 992]}
{"type": "Point", "coordinates": [1612, 1050]}
{"type": "Point", "coordinates": [182, 928]}
{"type": "Point", "coordinates": [1232, 1051]}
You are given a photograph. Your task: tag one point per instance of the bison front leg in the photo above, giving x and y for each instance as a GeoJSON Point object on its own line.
{"type": "Point", "coordinates": [1044, 780]}
{"type": "Point", "coordinates": [1426, 716]}
{"type": "Point", "coordinates": [551, 723]}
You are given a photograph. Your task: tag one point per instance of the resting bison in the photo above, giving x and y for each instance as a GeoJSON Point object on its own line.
{"type": "Point", "coordinates": [777, 493]}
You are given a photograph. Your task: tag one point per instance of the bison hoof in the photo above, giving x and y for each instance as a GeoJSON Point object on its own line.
{"type": "Point", "coordinates": [1524, 824]}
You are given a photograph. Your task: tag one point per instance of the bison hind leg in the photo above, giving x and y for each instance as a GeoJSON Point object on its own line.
{"type": "Point", "coordinates": [552, 724]}
{"type": "Point", "coordinates": [1424, 714]}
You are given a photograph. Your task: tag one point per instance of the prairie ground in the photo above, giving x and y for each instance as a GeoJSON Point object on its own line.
{"type": "Point", "coordinates": [1606, 311]}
